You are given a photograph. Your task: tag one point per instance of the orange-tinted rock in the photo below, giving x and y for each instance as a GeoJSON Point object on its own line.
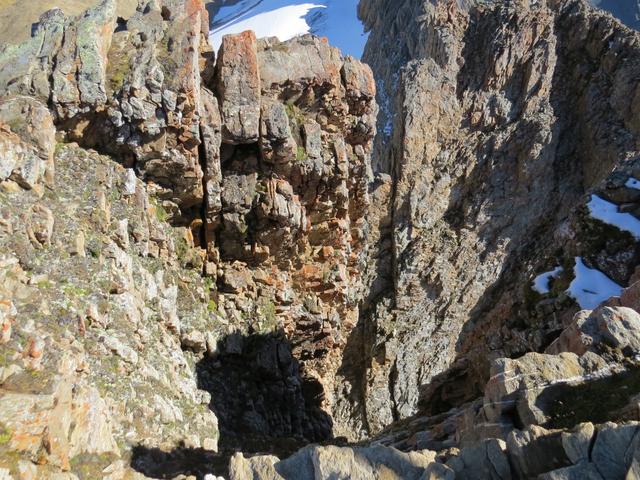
{"type": "Point", "coordinates": [238, 87]}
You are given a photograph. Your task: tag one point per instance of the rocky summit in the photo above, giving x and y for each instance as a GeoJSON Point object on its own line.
{"type": "Point", "coordinates": [278, 262]}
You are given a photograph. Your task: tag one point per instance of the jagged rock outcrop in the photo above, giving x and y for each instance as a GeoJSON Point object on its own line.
{"type": "Point", "coordinates": [600, 452]}
{"type": "Point", "coordinates": [238, 82]}
{"type": "Point", "coordinates": [534, 421]}
{"type": "Point", "coordinates": [586, 375]}
{"type": "Point", "coordinates": [203, 255]}
{"type": "Point", "coordinates": [286, 225]}
{"type": "Point", "coordinates": [496, 119]}
{"type": "Point", "coordinates": [133, 91]}
{"type": "Point", "coordinates": [89, 273]}
{"type": "Point", "coordinates": [260, 159]}
{"type": "Point", "coordinates": [28, 140]}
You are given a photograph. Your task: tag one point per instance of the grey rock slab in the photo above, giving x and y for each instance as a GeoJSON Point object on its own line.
{"type": "Point", "coordinates": [238, 86]}
{"type": "Point", "coordinates": [613, 450]}
{"type": "Point", "coordinates": [582, 471]}
{"type": "Point", "coordinates": [577, 442]}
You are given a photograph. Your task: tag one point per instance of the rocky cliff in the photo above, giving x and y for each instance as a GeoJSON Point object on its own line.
{"type": "Point", "coordinates": [207, 253]}
{"type": "Point", "coordinates": [170, 219]}
{"type": "Point", "coordinates": [507, 150]}
{"type": "Point", "coordinates": [497, 120]}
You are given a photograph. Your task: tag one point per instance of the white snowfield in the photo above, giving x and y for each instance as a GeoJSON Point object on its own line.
{"type": "Point", "coordinates": [591, 287]}
{"type": "Point", "coordinates": [633, 183]}
{"type": "Point", "coordinates": [607, 212]}
{"type": "Point", "coordinates": [541, 282]}
{"type": "Point", "coordinates": [283, 23]}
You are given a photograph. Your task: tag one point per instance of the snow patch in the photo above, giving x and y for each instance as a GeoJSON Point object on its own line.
{"type": "Point", "coordinates": [607, 212]}
{"type": "Point", "coordinates": [633, 183]}
{"type": "Point", "coordinates": [541, 282]}
{"type": "Point", "coordinates": [591, 287]}
{"type": "Point", "coordinates": [284, 23]}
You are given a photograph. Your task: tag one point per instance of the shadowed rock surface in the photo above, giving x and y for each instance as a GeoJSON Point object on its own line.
{"type": "Point", "coordinates": [507, 114]}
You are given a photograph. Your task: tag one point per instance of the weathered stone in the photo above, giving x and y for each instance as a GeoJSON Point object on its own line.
{"type": "Point", "coordinates": [486, 460]}
{"type": "Point", "coordinates": [277, 144]}
{"type": "Point", "coordinates": [122, 350]}
{"type": "Point", "coordinates": [516, 386]}
{"type": "Point", "coordinates": [164, 99]}
{"type": "Point", "coordinates": [129, 184]}
{"type": "Point", "coordinates": [19, 161]}
{"type": "Point", "coordinates": [7, 317]}
{"type": "Point", "coordinates": [577, 443]}
{"type": "Point", "coordinates": [67, 395]}
{"type": "Point", "coordinates": [630, 297]}
{"type": "Point", "coordinates": [19, 72]}
{"type": "Point", "coordinates": [65, 60]}
{"type": "Point", "coordinates": [238, 85]}
{"type": "Point", "coordinates": [83, 59]}
{"type": "Point", "coordinates": [305, 60]}
{"type": "Point", "coordinates": [462, 128]}
{"type": "Point", "coordinates": [33, 123]}
{"type": "Point", "coordinates": [315, 463]}
{"type": "Point", "coordinates": [64, 425]}
{"type": "Point", "coordinates": [212, 139]}
{"type": "Point", "coordinates": [614, 327]}
{"type": "Point", "coordinates": [482, 159]}
{"type": "Point", "coordinates": [195, 341]}
{"type": "Point", "coordinates": [535, 451]}
{"type": "Point", "coordinates": [586, 471]}
{"type": "Point", "coordinates": [612, 452]}
{"type": "Point", "coordinates": [358, 80]}
{"type": "Point", "coordinates": [257, 468]}
{"type": "Point", "coordinates": [40, 223]}
{"type": "Point", "coordinates": [312, 140]}
{"type": "Point", "coordinates": [438, 471]}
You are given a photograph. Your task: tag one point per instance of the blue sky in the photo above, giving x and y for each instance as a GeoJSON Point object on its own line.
{"type": "Point", "coordinates": [338, 20]}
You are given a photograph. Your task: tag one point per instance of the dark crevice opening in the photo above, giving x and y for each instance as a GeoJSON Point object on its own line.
{"type": "Point", "coordinates": [263, 402]}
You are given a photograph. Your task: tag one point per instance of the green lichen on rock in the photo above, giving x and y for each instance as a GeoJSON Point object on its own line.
{"type": "Point", "coordinates": [119, 68]}
{"type": "Point", "coordinates": [105, 297]}
{"type": "Point", "coordinates": [301, 154]}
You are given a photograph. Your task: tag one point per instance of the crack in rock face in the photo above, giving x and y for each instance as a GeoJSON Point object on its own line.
{"type": "Point", "coordinates": [262, 402]}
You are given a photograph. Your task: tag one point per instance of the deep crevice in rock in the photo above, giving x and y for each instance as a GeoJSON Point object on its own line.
{"type": "Point", "coordinates": [166, 465]}
{"type": "Point", "coordinates": [262, 399]}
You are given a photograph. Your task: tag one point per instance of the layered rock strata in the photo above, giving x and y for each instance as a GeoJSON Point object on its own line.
{"type": "Point", "coordinates": [497, 118]}
{"type": "Point", "coordinates": [289, 224]}
{"type": "Point", "coordinates": [260, 159]}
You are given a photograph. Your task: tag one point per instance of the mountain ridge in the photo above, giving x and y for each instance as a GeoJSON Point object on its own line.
{"type": "Point", "coordinates": [275, 261]}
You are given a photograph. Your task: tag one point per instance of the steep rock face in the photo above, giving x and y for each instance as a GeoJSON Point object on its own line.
{"type": "Point", "coordinates": [55, 44]}
{"type": "Point", "coordinates": [95, 302]}
{"type": "Point", "coordinates": [496, 118]}
{"type": "Point", "coordinates": [299, 295]}
{"type": "Point", "coordinates": [131, 89]}
{"type": "Point", "coordinates": [260, 159]}
{"type": "Point", "coordinates": [287, 230]}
